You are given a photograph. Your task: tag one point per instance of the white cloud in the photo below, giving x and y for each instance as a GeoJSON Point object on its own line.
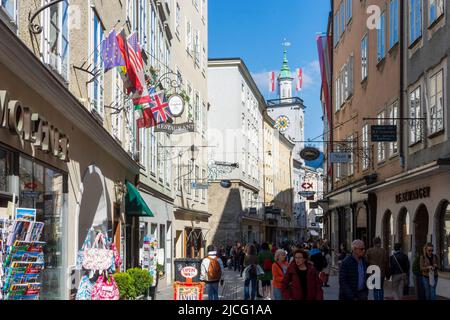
{"type": "Point", "coordinates": [311, 75]}
{"type": "Point", "coordinates": [311, 78]}
{"type": "Point", "coordinates": [262, 80]}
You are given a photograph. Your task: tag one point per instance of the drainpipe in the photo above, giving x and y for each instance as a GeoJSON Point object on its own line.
{"type": "Point", "coordinates": [403, 75]}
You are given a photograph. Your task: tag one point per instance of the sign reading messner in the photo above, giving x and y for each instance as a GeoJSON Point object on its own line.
{"type": "Point", "coordinates": [413, 195]}
{"type": "Point", "coordinates": [32, 127]}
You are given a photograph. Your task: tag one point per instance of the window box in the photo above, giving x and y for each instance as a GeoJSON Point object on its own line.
{"type": "Point", "coordinates": [415, 144]}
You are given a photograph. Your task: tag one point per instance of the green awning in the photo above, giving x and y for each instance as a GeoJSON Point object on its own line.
{"type": "Point", "coordinates": [134, 203]}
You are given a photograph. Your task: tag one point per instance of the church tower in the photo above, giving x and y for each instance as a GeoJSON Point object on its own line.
{"type": "Point", "coordinates": [285, 79]}
{"type": "Point", "coordinates": [288, 111]}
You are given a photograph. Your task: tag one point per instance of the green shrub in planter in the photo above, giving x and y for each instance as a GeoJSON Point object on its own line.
{"type": "Point", "coordinates": [141, 279]}
{"type": "Point", "coordinates": [126, 286]}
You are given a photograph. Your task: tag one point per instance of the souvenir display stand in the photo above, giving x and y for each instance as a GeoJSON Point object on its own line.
{"type": "Point", "coordinates": [150, 261]}
{"type": "Point", "coordinates": [21, 258]}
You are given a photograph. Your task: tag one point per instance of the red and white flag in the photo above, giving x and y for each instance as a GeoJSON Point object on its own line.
{"type": "Point", "coordinates": [272, 81]}
{"type": "Point", "coordinates": [299, 79]}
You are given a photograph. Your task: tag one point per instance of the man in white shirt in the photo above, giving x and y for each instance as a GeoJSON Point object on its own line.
{"type": "Point", "coordinates": [212, 273]}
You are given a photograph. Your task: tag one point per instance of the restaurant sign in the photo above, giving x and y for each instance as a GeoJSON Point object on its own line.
{"type": "Point", "coordinates": [32, 127]}
{"type": "Point", "coordinates": [417, 194]}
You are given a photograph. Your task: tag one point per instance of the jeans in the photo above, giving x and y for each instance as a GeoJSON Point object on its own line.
{"type": "Point", "coordinates": [398, 285]}
{"type": "Point", "coordinates": [430, 291]}
{"type": "Point", "coordinates": [213, 291]}
{"type": "Point", "coordinates": [277, 294]}
{"type": "Point", "coordinates": [247, 283]}
{"type": "Point", "coordinates": [378, 294]}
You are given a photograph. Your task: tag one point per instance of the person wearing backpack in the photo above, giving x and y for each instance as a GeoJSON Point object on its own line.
{"type": "Point", "coordinates": [251, 278]}
{"type": "Point", "coordinates": [212, 273]}
{"type": "Point", "coordinates": [265, 260]}
{"type": "Point", "coordinates": [279, 269]}
{"type": "Point", "coordinates": [399, 266]}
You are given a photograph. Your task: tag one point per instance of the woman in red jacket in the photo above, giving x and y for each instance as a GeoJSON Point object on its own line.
{"type": "Point", "coordinates": [301, 281]}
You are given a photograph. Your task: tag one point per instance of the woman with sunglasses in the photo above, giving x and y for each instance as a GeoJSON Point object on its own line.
{"type": "Point", "coordinates": [429, 263]}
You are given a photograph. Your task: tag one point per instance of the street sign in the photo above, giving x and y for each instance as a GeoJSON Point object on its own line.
{"type": "Point", "coordinates": [340, 157]}
{"type": "Point", "coordinates": [199, 186]}
{"type": "Point", "coordinates": [310, 154]}
{"type": "Point", "coordinates": [386, 133]}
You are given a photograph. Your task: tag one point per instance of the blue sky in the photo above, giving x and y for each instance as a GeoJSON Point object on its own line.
{"type": "Point", "coordinates": [254, 31]}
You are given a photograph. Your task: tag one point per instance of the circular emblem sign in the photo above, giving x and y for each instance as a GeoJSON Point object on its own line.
{"type": "Point", "coordinates": [189, 272]}
{"type": "Point", "coordinates": [226, 184]}
{"type": "Point", "coordinates": [310, 154]}
{"type": "Point", "coordinates": [176, 105]}
{"type": "Point", "coordinates": [282, 123]}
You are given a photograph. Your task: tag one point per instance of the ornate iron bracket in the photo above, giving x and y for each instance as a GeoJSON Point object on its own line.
{"type": "Point", "coordinates": [167, 77]}
{"type": "Point", "coordinates": [33, 27]}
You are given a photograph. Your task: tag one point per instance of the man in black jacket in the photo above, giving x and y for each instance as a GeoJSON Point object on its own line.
{"type": "Point", "coordinates": [399, 266]}
{"type": "Point", "coordinates": [352, 275]}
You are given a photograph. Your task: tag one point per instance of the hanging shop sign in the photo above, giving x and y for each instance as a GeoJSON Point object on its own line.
{"type": "Point", "coordinates": [171, 128]}
{"type": "Point", "coordinates": [176, 105]}
{"type": "Point", "coordinates": [307, 185]}
{"type": "Point", "coordinates": [310, 154]}
{"type": "Point", "coordinates": [340, 157]}
{"type": "Point", "coordinates": [307, 194]}
{"type": "Point", "coordinates": [417, 194]}
{"type": "Point", "coordinates": [32, 127]}
{"type": "Point", "coordinates": [386, 133]}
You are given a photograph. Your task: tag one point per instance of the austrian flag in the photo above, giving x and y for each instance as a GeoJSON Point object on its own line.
{"type": "Point", "coordinates": [272, 82]}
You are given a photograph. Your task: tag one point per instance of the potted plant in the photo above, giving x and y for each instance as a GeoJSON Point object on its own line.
{"type": "Point", "coordinates": [126, 287]}
{"type": "Point", "coordinates": [142, 280]}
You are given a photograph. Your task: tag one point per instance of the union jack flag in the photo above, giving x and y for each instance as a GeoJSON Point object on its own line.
{"type": "Point", "coordinates": [160, 109]}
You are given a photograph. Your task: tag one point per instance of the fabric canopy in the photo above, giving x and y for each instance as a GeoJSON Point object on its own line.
{"type": "Point", "coordinates": [134, 203]}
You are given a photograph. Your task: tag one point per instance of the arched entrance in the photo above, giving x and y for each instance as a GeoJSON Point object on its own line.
{"type": "Point", "coordinates": [420, 228]}
{"type": "Point", "coordinates": [443, 234]}
{"type": "Point", "coordinates": [404, 230]}
{"type": "Point", "coordinates": [387, 231]}
{"type": "Point", "coordinates": [361, 225]}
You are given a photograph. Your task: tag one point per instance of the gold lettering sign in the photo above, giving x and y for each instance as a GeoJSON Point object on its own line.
{"type": "Point", "coordinates": [32, 127]}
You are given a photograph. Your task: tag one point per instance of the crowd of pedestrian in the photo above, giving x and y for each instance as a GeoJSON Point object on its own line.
{"type": "Point", "coordinates": [300, 271]}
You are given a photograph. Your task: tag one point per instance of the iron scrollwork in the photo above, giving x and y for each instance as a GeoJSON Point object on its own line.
{"type": "Point", "coordinates": [34, 27]}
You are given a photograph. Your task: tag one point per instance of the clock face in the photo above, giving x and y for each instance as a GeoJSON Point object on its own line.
{"type": "Point", "coordinates": [176, 105]}
{"type": "Point", "coordinates": [282, 123]}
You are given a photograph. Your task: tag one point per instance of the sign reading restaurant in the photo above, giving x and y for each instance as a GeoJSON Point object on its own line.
{"type": "Point", "coordinates": [413, 195]}
{"type": "Point", "coordinates": [32, 127]}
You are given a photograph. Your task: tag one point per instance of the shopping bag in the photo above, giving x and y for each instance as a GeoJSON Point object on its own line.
{"type": "Point", "coordinates": [432, 279]}
{"type": "Point", "coordinates": [97, 258]}
{"type": "Point", "coordinates": [85, 289]}
{"type": "Point", "coordinates": [105, 289]}
{"type": "Point", "coordinates": [117, 259]}
{"type": "Point", "coordinates": [80, 255]}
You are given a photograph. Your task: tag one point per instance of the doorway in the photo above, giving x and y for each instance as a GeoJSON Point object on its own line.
{"type": "Point", "coordinates": [387, 231]}
{"type": "Point", "coordinates": [420, 228]}
{"type": "Point", "coordinates": [404, 230]}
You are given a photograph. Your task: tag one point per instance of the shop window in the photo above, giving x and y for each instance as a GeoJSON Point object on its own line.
{"type": "Point", "coordinates": [444, 237]}
{"type": "Point", "coordinates": [42, 188]}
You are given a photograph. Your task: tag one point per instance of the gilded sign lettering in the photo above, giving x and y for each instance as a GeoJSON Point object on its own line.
{"type": "Point", "coordinates": [32, 127]}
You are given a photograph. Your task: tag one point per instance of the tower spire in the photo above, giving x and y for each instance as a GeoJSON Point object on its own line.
{"type": "Point", "coordinates": [285, 70]}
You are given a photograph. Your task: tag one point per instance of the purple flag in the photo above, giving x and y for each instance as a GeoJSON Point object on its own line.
{"type": "Point", "coordinates": [111, 54]}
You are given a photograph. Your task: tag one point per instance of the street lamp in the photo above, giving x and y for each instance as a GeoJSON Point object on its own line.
{"type": "Point", "coordinates": [194, 152]}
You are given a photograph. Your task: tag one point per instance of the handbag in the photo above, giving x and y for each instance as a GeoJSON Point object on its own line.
{"type": "Point", "coordinates": [80, 255]}
{"type": "Point", "coordinates": [105, 289]}
{"type": "Point", "coordinates": [85, 289]}
{"type": "Point", "coordinates": [431, 275]}
{"type": "Point", "coordinates": [117, 259]}
{"type": "Point", "coordinates": [97, 258]}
